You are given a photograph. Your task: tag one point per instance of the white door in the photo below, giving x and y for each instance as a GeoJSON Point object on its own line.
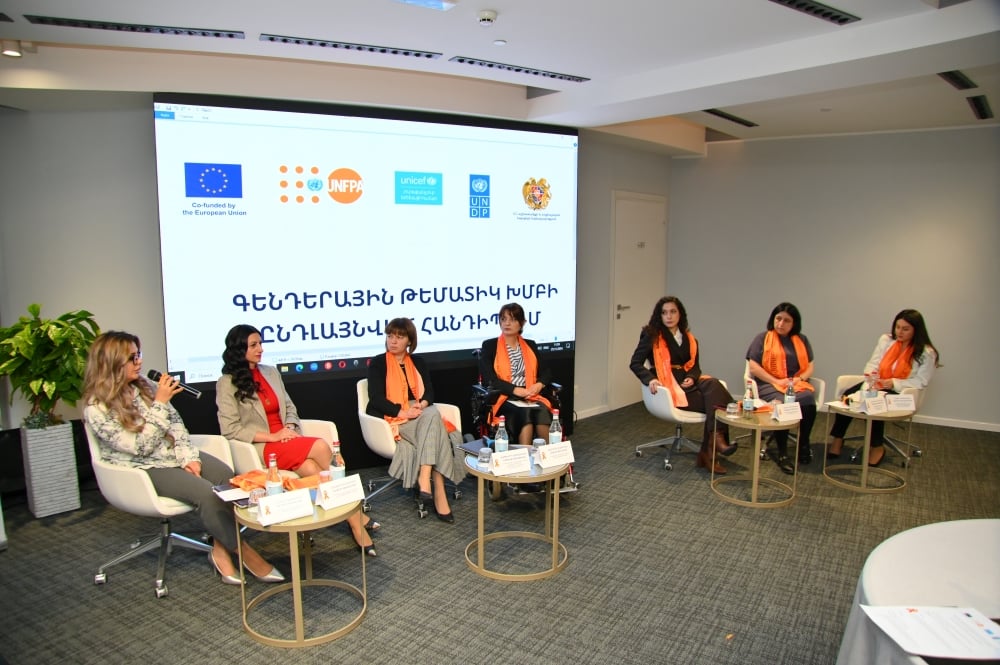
{"type": "Point", "coordinates": [639, 279]}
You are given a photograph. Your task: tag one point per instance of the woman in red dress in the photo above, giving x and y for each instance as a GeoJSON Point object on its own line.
{"type": "Point", "coordinates": [254, 407]}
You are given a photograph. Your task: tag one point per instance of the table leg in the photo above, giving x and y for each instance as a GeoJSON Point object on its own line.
{"type": "Point", "coordinates": [481, 529]}
{"type": "Point", "coordinates": [554, 493]}
{"type": "Point", "coordinates": [865, 451]}
{"type": "Point", "coordinates": [293, 549]}
{"type": "Point", "coordinates": [757, 450]}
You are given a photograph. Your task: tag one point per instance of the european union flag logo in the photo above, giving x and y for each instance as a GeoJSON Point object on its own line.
{"type": "Point", "coordinates": [213, 181]}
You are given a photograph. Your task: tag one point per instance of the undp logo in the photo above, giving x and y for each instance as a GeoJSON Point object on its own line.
{"type": "Point", "coordinates": [344, 185]}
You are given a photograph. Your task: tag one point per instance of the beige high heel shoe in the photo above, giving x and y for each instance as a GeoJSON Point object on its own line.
{"type": "Point", "coordinates": [226, 579]}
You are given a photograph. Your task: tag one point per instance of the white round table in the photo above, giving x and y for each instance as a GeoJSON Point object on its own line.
{"type": "Point", "coordinates": [947, 564]}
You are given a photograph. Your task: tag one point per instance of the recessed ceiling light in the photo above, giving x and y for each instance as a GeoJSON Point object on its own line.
{"type": "Point", "coordinates": [440, 5]}
{"type": "Point", "coordinates": [499, 42]}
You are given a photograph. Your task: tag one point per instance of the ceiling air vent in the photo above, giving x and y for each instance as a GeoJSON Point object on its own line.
{"type": "Point", "coordinates": [731, 118]}
{"type": "Point", "coordinates": [980, 106]}
{"type": "Point", "coordinates": [958, 80]}
{"type": "Point", "coordinates": [347, 46]}
{"type": "Point", "coordinates": [517, 69]}
{"type": "Point", "coordinates": [819, 10]}
{"type": "Point", "coordinates": [133, 27]}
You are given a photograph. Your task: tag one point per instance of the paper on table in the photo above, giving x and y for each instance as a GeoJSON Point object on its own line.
{"type": "Point", "coordinates": [230, 493]}
{"type": "Point", "coordinates": [939, 632]}
{"type": "Point", "coordinates": [526, 405]}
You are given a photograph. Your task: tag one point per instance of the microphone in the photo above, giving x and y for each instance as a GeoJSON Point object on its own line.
{"type": "Point", "coordinates": [194, 392]}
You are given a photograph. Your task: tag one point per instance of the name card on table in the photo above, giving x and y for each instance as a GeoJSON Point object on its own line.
{"type": "Point", "coordinates": [285, 506]}
{"type": "Point", "coordinates": [787, 412]}
{"type": "Point", "coordinates": [340, 492]}
{"type": "Point", "coordinates": [555, 454]}
{"type": "Point", "coordinates": [901, 402]}
{"type": "Point", "coordinates": [515, 460]}
{"type": "Point", "coordinates": [874, 405]}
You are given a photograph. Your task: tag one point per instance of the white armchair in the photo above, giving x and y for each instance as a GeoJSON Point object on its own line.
{"type": "Point", "coordinates": [131, 491]}
{"type": "Point", "coordinates": [250, 456]}
{"type": "Point", "coordinates": [378, 437]}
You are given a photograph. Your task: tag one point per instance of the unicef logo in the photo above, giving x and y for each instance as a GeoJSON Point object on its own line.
{"type": "Point", "coordinates": [432, 181]}
{"type": "Point", "coordinates": [480, 185]}
{"type": "Point", "coordinates": [314, 184]}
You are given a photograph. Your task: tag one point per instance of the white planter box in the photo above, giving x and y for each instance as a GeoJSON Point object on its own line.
{"type": "Point", "coordinates": [50, 470]}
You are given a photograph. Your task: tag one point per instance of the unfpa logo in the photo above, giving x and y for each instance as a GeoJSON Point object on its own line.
{"type": "Point", "coordinates": [344, 185]}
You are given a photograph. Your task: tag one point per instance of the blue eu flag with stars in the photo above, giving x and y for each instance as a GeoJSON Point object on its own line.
{"type": "Point", "coordinates": [213, 181]}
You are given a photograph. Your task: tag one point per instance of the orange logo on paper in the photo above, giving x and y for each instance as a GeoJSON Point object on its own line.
{"type": "Point", "coordinates": [344, 185]}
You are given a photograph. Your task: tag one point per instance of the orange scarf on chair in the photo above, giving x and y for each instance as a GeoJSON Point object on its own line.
{"type": "Point", "coordinates": [398, 382]}
{"type": "Point", "coordinates": [776, 364]}
{"type": "Point", "coordinates": [664, 369]}
{"type": "Point", "coordinates": [501, 367]}
{"type": "Point", "coordinates": [897, 362]}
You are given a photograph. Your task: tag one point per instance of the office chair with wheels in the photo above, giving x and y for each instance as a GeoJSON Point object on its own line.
{"type": "Point", "coordinates": [131, 491]}
{"type": "Point", "coordinates": [661, 405]}
{"type": "Point", "coordinates": [904, 448]}
{"type": "Point", "coordinates": [378, 437]}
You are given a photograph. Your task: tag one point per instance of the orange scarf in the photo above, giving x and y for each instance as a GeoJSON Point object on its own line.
{"type": "Point", "coordinates": [664, 369]}
{"type": "Point", "coordinates": [501, 367]}
{"type": "Point", "coordinates": [775, 363]}
{"type": "Point", "coordinates": [897, 362]}
{"type": "Point", "coordinates": [398, 381]}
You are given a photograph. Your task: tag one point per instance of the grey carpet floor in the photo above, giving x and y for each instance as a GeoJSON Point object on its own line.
{"type": "Point", "coordinates": [660, 569]}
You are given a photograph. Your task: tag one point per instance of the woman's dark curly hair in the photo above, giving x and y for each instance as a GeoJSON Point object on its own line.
{"type": "Point", "coordinates": [234, 361]}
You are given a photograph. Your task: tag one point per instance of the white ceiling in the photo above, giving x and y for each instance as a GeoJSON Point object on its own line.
{"type": "Point", "coordinates": [791, 73]}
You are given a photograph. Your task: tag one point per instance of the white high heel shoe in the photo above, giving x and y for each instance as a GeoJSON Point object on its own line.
{"type": "Point", "coordinates": [273, 576]}
{"type": "Point", "coordinates": [226, 579]}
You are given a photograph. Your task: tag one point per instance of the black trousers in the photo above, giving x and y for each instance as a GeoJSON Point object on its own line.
{"type": "Point", "coordinates": [703, 397]}
{"type": "Point", "coordinates": [841, 422]}
{"type": "Point", "coordinates": [215, 514]}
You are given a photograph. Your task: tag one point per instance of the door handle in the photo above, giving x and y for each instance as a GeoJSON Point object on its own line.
{"type": "Point", "coordinates": [622, 308]}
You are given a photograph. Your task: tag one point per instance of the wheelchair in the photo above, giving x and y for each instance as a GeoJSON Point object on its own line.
{"type": "Point", "coordinates": [483, 399]}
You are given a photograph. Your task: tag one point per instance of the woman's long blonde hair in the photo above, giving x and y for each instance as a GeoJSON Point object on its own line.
{"type": "Point", "coordinates": [104, 381]}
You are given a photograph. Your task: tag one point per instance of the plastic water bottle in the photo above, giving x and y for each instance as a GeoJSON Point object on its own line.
{"type": "Point", "coordinates": [748, 400]}
{"type": "Point", "coordinates": [790, 391]}
{"type": "Point", "coordinates": [337, 468]}
{"type": "Point", "coordinates": [272, 484]}
{"type": "Point", "coordinates": [869, 387]}
{"type": "Point", "coordinates": [501, 438]}
{"type": "Point", "coordinates": [555, 429]}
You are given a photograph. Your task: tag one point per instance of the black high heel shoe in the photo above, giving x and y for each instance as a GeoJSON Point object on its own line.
{"type": "Point", "coordinates": [372, 526]}
{"type": "Point", "coordinates": [445, 517]}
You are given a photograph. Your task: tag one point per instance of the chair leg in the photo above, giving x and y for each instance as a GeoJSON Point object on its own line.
{"type": "Point", "coordinates": [387, 482]}
{"type": "Point", "coordinates": [164, 541]}
{"type": "Point", "coordinates": [673, 443]}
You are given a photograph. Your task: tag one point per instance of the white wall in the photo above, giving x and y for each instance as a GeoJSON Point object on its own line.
{"type": "Point", "coordinates": [852, 230]}
{"type": "Point", "coordinates": [605, 165]}
{"type": "Point", "coordinates": [78, 223]}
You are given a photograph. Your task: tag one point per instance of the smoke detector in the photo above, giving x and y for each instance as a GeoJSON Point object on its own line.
{"type": "Point", "coordinates": [487, 17]}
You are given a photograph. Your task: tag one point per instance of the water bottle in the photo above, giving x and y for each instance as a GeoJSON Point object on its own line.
{"type": "Point", "coordinates": [272, 484]}
{"type": "Point", "coordinates": [337, 468]}
{"type": "Point", "coordinates": [501, 438]}
{"type": "Point", "coordinates": [869, 387]}
{"type": "Point", "coordinates": [748, 400]}
{"type": "Point", "coordinates": [555, 429]}
{"type": "Point", "coordinates": [790, 391]}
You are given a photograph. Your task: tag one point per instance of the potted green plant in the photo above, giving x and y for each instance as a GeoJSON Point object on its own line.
{"type": "Point", "coordinates": [44, 359]}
